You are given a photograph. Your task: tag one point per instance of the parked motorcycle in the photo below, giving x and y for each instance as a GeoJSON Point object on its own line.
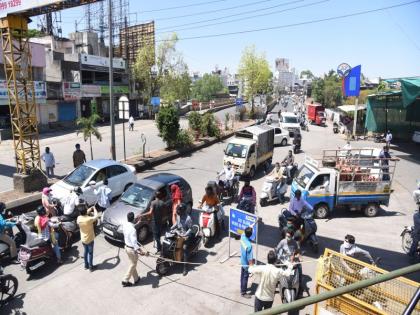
{"type": "Point", "coordinates": [289, 286]}
{"type": "Point", "coordinates": [8, 287]}
{"type": "Point", "coordinates": [307, 230]}
{"type": "Point", "coordinates": [269, 190]}
{"type": "Point", "coordinates": [296, 148]}
{"type": "Point", "coordinates": [379, 138]}
{"type": "Point", "coordinates": [207, 222]}
{"type": "Point", "coordinates": [172, 249]}
{"type": "Point", "coordinates": [335, 127]}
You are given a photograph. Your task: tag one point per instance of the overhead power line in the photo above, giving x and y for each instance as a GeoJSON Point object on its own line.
{"type": "Point", "coordinates": [183, 6]}
{"type": "Point", "coordinates": [231, 15]}
{"type": "Point", "coordinates": [213, 11]}
{"type": "Point", "coordinates": [248, 17]}
{"type": "Point", "coordinates": [296, 24]}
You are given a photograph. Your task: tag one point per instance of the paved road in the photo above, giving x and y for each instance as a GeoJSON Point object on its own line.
{"type": "Point", "coordinates": [212, 288]}
{"type": "Point", "coordinates": [62, 146]}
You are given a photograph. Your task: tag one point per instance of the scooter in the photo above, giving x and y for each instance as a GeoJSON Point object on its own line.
{"type": "Point", "coordinates": [8, 287]}
{"type": "Point", "coordinates": [268, 192]}
{"type": "Point", "coordinates": [380, 138]}
{"type": "Point", "coordinates": [172, 249]}
{"type": "Point", "coordinates": [307, 229]}
{"type": "Point", "coordinates": [335, 128]}
{"type": "Point", "coordinates": [36, 251]}
{"type": "Point", "coordinates": [291, 174]}
{"type": "Point", "coordinates": [207, 222]}
{"type": "Point", "coordinates": [228, 194]}
{"type": "Point", "coordinates": [289, 286]}
{"type": "Point", "coordinates": [19, 238]}
{"type": "Point", "coordinates": [304, 125]}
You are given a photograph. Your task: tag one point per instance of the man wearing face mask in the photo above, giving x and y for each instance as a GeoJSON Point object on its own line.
{"type": "Point", "coordinates": [229, 174]}
{"type": "Point", "coordinates": [350, 249]}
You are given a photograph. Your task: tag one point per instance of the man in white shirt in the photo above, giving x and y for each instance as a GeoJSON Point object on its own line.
{"type": "Point", "coordinates": [269, 277]}
{"type": "Point", "coordinates": [132, 249]}
{"type": "Point", "coordinates": [388, 138]}
{"type": "Point", "coordinates": [103, 192]}
{"type": "Point", "coordinates": [131, 123]}
{"type": "Point", "coordinates": [229, 174]}
{"type": "Point", "coordinates": [71, 201]}
{"type": "Point", "coordinates": [49, 162]}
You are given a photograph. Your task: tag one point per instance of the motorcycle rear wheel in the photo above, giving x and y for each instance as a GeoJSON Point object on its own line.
{"type": "Point", "coordinates": [406, 241]}
{"type": "Point", "coordinates": [162, 267]}
{"type": "Point", "coordinates": [8, 288]}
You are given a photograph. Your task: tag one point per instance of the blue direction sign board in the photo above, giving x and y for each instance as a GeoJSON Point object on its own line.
{"type": "Point", "coordinates": [239, 220]}
{"type": "Point", "coordinates": [352, 82]}
{"type": "Point", "coordinates": [239, 101]}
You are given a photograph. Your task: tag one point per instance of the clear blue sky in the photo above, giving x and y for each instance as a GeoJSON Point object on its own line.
{"type": "Point", "coordinates": [385, 43]}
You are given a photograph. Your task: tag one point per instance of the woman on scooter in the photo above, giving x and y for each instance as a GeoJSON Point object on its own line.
{"type": "Point", "coordinates": [46, 230]}
{"type": "Point", "coordinates": [211, 200]}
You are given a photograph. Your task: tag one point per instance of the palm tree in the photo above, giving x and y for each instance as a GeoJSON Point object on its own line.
{"type": "Point", "coordinates": [87, 127]}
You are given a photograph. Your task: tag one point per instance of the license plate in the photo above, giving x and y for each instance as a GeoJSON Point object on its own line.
{"type": "Point", "coordinates": [107, 231]}
{"type": "Point", "coordinates": [41, 263]}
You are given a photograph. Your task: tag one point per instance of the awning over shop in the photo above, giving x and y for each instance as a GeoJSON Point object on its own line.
{"type": "Point", "coordinates": [410, 90]}
{"type": "Point", "coordinates": [350, 108]}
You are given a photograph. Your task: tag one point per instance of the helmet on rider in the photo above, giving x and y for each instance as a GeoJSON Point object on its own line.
{"type": "Point", "coordinates": [2, 208]}
{"type": "Point", "coordinates": [41, 210]}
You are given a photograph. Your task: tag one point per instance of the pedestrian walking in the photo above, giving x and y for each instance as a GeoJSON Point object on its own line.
{"type": "Point", "coordinates": [87, 233]}
{"type": "Point", "coordinates": [49, 162]}
{"type": "Point", "coordinates": [132, 249]}
{"type": "Point", "coordinates": [79, 156]}
{"type": "Point", "coordinates": [157, 209]}
{"type": "Point", "coordinates": [247, 260]}
{"type": "Point", "coordinates": [131, 123]}
{"type": "Point", "coordinates": [104, 195]}
{"type": "Point", "coordinates": [269, 278]}
{"type": "Point", "coordinates": [388, 139]}
{"type": "Point", "coordinates": [384, 157]}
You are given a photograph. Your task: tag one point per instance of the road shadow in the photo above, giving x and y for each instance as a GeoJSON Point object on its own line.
{"type": "Point", "coordinates": [7, 170]}
{"type": "Point", "coordinates": [15, 306]}
{"type": "Point", "coordinates": [109, 263]}
{"type": "Point", "coordinates": [345, 213]}
{"type": "Point", "coordinates": [411, 151]}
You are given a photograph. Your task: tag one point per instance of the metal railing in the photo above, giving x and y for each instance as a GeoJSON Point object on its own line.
{"type": "Point", "coordinates": [283, 308]}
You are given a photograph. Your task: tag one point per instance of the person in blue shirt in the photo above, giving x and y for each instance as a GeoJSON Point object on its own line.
{"type": "Point", "coordinates": [5, 224]}
{"type": "Point", "coordinates": [247, 259]}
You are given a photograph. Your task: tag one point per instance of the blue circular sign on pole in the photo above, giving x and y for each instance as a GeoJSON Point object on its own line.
{"type": "Point", "coordinates": [343, 70]}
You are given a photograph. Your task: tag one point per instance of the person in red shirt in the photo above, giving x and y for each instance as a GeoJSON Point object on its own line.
{"type": "Point", "coordinates": [176, 200]}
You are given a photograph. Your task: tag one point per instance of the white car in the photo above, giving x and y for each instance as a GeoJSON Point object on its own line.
{"type": "Point", "coordinates": [281, 136]}
{"type": "Point", "coordinates": [290, 122]}
{"type": "Point", "coordinates": [90, 175]}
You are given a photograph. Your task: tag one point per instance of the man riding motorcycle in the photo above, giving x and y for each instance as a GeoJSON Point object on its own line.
{"type": "Point", "coordinates": [184, 224]}
{"type": "Point", "coordinates": [288, 162]}
{"type": "Point", "coordinates": [211, 200]}
{"type": "Point", "coordinates": [5, 224]}
{"type": "Point", "coordinates": [248, 193]}
{"type": "Point", "coordinates": [229, 174]}
{"type": "Point", "coordinates": [289, 247]}
{"type": "Point", "coordinates": [297, 205]}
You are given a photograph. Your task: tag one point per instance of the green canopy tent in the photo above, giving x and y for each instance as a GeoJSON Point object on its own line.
{"type": "Point", "coordinates": [398, 111]}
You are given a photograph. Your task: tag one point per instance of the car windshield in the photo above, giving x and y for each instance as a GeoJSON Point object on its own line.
{"type": "Point", "coordinates": [236, 150]}
{"type": "Point", "coordinates": [305, 174]}
{"type": "Point", "coordinates": [79, 175]}
{"type": "Point", "coordinates": [137, 196]}
{"type": "Point", "coordinates": [290, 120]}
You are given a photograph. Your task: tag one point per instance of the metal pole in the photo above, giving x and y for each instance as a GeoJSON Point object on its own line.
{"type": "Point", "coordinates": [123, 125]}
{"type": "Point", "coordinates": [411, 306]}
{"type": "Point", "coordinates": [386, 114]}
{"type": "Point", "coordinates": [283, 308]}
{"type": "Point", "coordinates": [111, 81]}
{"type": "Point", "coordinates": [355, 117]}
{"type": "Point", "coordinates": [256, 241]}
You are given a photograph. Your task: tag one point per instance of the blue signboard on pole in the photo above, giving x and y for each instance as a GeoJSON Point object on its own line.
{"type": "Point", "coordinates": [352, 82]}
{"type": "Point", "coordinates": [239, 101]}
{"type": "Point", "coordinates": [239, 220]}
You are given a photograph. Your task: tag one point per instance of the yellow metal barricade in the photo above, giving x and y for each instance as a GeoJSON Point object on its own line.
{"type": "Point", "coordinates": [336, 270]}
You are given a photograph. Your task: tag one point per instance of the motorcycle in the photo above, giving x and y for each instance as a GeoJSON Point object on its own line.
{"type": "Point", "coordinates": [172, 249]}
{"type": "Point", "coordinates": [291, 174]}
{"type": "Point", "coordinates": [296, 147]}
{"type": "Point", "coordinates": [228, 193]}
{"type": "Point", "coordinates": [19, 238]}
{"type": "Point", "coordinates": [246, 204]}
{"type": "Point", "coordinates": [289, 286]}
{"type": "Point", "coordinates": [335, 127]}
{"type": "Point", "coordinates": [307, 230]}
{"type": "Point", "coordinates": [379, 138]}
{"type": "Point", "coordinates": [269, 190]}
{"type": "Point", "coordinates": [207, 222]}
{"type": "Point", "coordinates": [304, 125]}
{"type": "Point", "coordinates": [8, 287]}
{"type": "Point", "coordinates": [407, 241]}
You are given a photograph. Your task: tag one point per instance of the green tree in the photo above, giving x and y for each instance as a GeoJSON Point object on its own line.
{"type": "Point", "coordinates": [194, 121]}
{"type": "Point", "coordinates": [255, 71]}
{"type": "Point", "coordinates": [206, 88]}
{"type": "Point", "coordinates": [170, 75]}
{"type": "Point", "coordinates": [209, 126]}
{"type": "Point", "coordinates": [307, 73]}
{"type": "Point", "coordinates": [327, 90]}
{"type": "Point", "coordinates": [168, 125]}
{"type": "Point", "coordinates": [88, 128]}
{"type": "Point", "coordinates": [35, 33]}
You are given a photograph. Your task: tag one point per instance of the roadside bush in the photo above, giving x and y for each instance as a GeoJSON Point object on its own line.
{"type": "Point", "coordinates": [209, 126]}
{"type": "Point", "coordinates": [242, 113]}
{"type": "Point", "coordinates": [168, 125]}
{"type": "Point", "coordinates": [184, 139]}
{"type": "Point", "coordinates": [194, 121]}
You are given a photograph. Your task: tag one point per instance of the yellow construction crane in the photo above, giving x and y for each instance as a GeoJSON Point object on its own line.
{"type": "Point", "coordinates": [14, 20]}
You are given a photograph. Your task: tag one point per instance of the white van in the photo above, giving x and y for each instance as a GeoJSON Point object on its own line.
{"type": "Point", "coordinates": [290, 122]}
